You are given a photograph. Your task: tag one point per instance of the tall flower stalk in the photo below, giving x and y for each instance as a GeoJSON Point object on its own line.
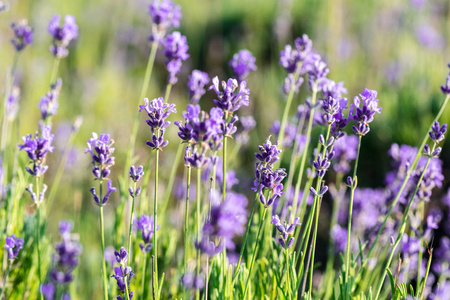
{"type": "Point", "coordinates": [101, 150]}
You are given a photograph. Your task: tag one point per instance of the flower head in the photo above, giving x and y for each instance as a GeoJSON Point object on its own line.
{"type": "Point", "coordinates": [363, 115]}
{"type": "Point", "coordinates": [268, 153]}
{"type": "Point", "coordinates": [101, 150]}
{"type": "Point", "coordinates": [229, 99]}
{"type": "Point", "coordinates": [285, 231]}
{"type": "Point", "coordinates": [62, 35]}
{"type": "Point", "coordinates": [37, 149]}
{"type": "Point", "coordinates": [13, 245]}
{"type": "Point", "coordinates": [196, 85]}
{"type": "Point", "coordinates": [242, 64]}
{"type": "Point", "coordinates": [136, 174]}
{"type": "Point", "coordinates": [49, 103]}
{"type": "Point", "coordinates": [23, 35]}
{"type": "Point", "coordinates": [176, 53]}
{"type": "Point", "coordinates": [437, 132]}
{"type": "Point", "coordinates": [146, 225]}
{"type": "Point", "coordinates": [165, 15]}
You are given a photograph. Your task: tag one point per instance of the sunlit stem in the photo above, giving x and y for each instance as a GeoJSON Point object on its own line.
{"type": "Point", "coordinates": [186, 220]}
{"type": "Point", "coordinates": [155, 220]}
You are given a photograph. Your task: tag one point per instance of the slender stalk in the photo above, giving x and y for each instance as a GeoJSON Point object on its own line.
{"type": "Point", "coordinates": [426, 273]}
{"type": "Point", "coordinates": [197, 229]}
{"type": "Point", "coordinates": [402, 187]}
{"type": "Point", "coordinates": [186, 220]}
{"type": "Point", "coordinates": [153, 278]}
{"type": "Point", "coordinates": [224, 191]}
{"type": "Point", "coordinates": [38, 233]}
{"type": "Point", "coordinates": [144, 267]}
{"type": "Point", "coordinates": [247, 231]}
{"type": "Point", "coordinates": [167, 94]}
{"type": "Point", "coordinates": [148, 73]}
{"type": "Point", "coordinates": [105, 280]}
{"type": "Point", "coordinates": [54, 70]}
{"type": "Point", "coordinates": [287, 274]}
{"type": "Point", "coordinates": [155, 218]}
{"type": "Point", "coordinates": [126, 287]}
{"type": "Point", "coordinates": [131, 220]}
{"type": "Point", "coordinates": [5, 278]}
{"type": "Point", "coordinates": [173, 172]}
{"type": "Point", "coordinates": [255, 251]}
{"type": "Point", "coordinates": [350, 212]}
{"type": "Point", "coordinates": [313, 249]}
{"type": "Point", "coordinates": [305, 150]}
{"type": "Point", "coordinates": [403, 225]}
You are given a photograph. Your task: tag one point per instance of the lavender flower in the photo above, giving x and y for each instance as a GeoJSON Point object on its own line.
{"type": "Point", "coordinates": [48, 290]}
{"type": "Point", "coordinates": [229, 100]}
{"type": "Point", "coordinates": [176, 53]}
{"type": "Point", "coordinates": [12, 104]}
{"type": "Point", "coordinates": [37, 149]}
{"type": "Point", "coordinates": [158, 111]}
{"type": "Point", "coordinates": [362, 116]}
{"type": "Point", "coordinates": [446, 87]}
{"type": "Point", "coordinates": [165, 15]}
{"type": "Point", "coordinates": [285, 231]}
{"type": "Point", "coordinates": [62, 35]}
{"type": "Point", "coordinates": [23, 34]}
{"type": "Point", "coordinates": [333, 89]}
{"type": "Point", "coordinates": [13, 245]}
{"type": "Point", "coordinates": [321, 164]}
{"type": "Point", "coordinates": [247, 123]}
{"type": "Point", "coordinates": [101, 150]}
{"type": "Point", "coordinates": [120, 275]}
{"type": "Point", "coordinates": [267, 179]}
{"type": "Point", "coordinates": [49, 103]}
{"type": "Point", "coordinates": [195, 158]}
{"type": "Point", "coordinates": [146, 225]}
{"type": "Point", "coordinates": [109, 189]}
{"type": "Point", "coordinates": [290, 132]}
{"type": "Point", "coordinates": [242, 64]}
{"type": "Point", "coordinates": [3, 6]}
{"type": "Point", "coordinates": [37, 200]}
{"type": "Point", "coordinates": [65, 259]}
{"type": "Point", "coordinates": [196, 85]}
{"type": "Point", "coordinates": [192, 281]}
{"type": "Point", "coordinates": [437, 132]}
{"type": "Point", "coordinates": [268, 153]}
{"type": "Point", "coordinates": [317, 71]}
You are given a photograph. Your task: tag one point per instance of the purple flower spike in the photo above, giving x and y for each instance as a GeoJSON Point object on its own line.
{"type": "Point", "coordinates": [285, 231]}
{"type": "Point", "coordinates": [136, 174]}
{"type": "Point", "coordinates": [268, 153]}
{"type": "Point", "coordinates": [48, 290]}
{"type": "Point", "coordinates": [446, 87]}
{"type": "Point", "coordinates": [176, 53]}
{"type": "Point", "coordinates": [120, 275]}
{"type": "Point", "coordinates": [49, 103]}
{"type": "Point", "coordinates": [23, 35]}
{"type": "Point", "coordinates": [101, 150]}
{"type": "Point", "coordinates": [362, 116]}
{"type": "Point", "coordinates": [165, 15]}
{"type": "Point", "coordinates": [146, 225]}
{"type": "Point", "coordinates": [62, 35]}
{"type": "Point", "coordinates": [158, 111]}
{"type": "Point", "coordinates": [437, 132]}
{"type": "Point", "coordinates": [13, 245]}
{"type": "Point", "coordinates": [37, 149]}
{"type": "Point", "coordinates": [196, 85]}
{"type": "Point", "coordinates": [229, 100]}
{"type": "Point", "coordinates": [242, 64]}
{"type": "Point", "coordinates": [121, 255]}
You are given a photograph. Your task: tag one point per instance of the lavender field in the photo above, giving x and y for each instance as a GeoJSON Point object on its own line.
{"type": "Point", "coordinates": [175, 149]}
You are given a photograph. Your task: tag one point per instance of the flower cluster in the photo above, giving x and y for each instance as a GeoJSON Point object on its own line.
{"type": "Point", "coordinates": [37, 149]}
{"type": "Point", "coordinates": [437, 135]}
{"type": "Point", "coordinates": [321, 164]}
{"type": "Point", "coordinates": [62, 35]}
{"type": "Point", "coordinates": [196, 85]}
{"type": "Point", "coordinates": [362, 116]}
{"type": "Point", "coordinates": [285, 231]}
{"type": "Point", "coordinates": [176, 53]}
{"type": "Point", "coordinates": [446, 87]}
{"type": "Point", "coordinates": [23, 35]}
{"type": "Point", "coordinates": [242, 64]}
{"type": "Point", "coordinates": [192, 281]}
{"type": "Point", "coordinates": [123, 274]}
{"type": "Point", "coordinates": [268, 179]}
{"type": "Point", "coordinates": [64, 261]}
{"type": "Point", "coordinates": [13, 244]}
{"type": "Point", "coordinates": [49, 103]}
{"type": "Point", "coordinates": [146, 225]}
{"type": "Point", "coordinates": [229, 100]}
{"type": "Point", "coordinates": [158, 111]}
{"type": "Point", "coordinates": [165, 15]}
{"type": "Point", "coordinates": [136, 175]}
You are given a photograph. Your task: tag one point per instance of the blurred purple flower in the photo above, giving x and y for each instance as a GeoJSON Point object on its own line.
{"type": "Point", "coordinates": [23, 34]}
{"type": "Point", "coordinates": [242, 64]}
{"type": "Point", "coordinates": [62, 35]}
{"type": "Point", "coordinates": [196, 85]}
{"type": "Point", "coordinates": [165, 15]}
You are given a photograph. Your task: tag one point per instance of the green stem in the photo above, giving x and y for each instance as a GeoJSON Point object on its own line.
{"type": "Point", "coordinates": [155, 218]}
{"type": "Point", "coordinates": [126, 287]}
{"type": "Point", "coordinates": [287, 275]}
{"type": "Point", "coordinates": [426, 273]}
{"type": "Point", "coordinates": [313, 249]}
{"type": "Point", "coordinates": [197, 229]}
{"type": "Point", "coordinates": [148, 72]}
{"type": "Point", "coordinates": [143, 276]}
{"type": "Point", "coordinates": [421, 209]}
{"type": "Point", "coordinates": [54, 70]}
{"type": "Point", "coordinates": [402, 187]}
{"type": "Point", "coordinates": [131, 219]}
{"type": "Point", "coordinates": [5, 279]}
{"type": "Point", "coordinates": [173, 172]}
{"type": "Point", "coordinates": [255, 251]}
{"type": "Point", "coordinates": [403, 225]}
{"type": "Point", "coordinates": [167, 94]}
{"type": "Point", "coordinates": [105, 280]}
{"type": "Point", "coordinates": [305, 150]}
{"type": "Point", "coordinates": [224, 191]}
{"type": "Point", "coordinates": [38, 232]}
{"type": "Point", "coordinates": [186, 220]}
{"type": "Point", "coordinates": [247, 231]}
{"type": "Point", "coordinates": [350, 212]}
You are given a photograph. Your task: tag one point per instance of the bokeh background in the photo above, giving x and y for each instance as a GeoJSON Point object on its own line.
{"type": "Point", "coordinates": [399, 48]}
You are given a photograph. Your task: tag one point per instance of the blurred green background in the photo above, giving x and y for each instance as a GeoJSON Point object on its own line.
{"type": "Point", "coordinates": [399, 48]}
